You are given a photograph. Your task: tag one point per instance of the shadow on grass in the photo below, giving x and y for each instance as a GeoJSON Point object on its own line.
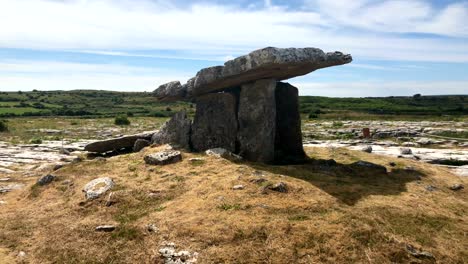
{"type": "Point", "coordinates": [347, 182]}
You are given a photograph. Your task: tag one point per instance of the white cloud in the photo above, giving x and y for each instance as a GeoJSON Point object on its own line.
{"type": "Point", "coordinates": [215, 31]}
{"type": "Point", "coordinates": [52, 75]}
{"type": "Point", "coordinates": [364, 88]}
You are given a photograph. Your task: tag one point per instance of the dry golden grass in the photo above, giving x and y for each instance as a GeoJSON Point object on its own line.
{"type": "Point", "coordinates": [331, 214]}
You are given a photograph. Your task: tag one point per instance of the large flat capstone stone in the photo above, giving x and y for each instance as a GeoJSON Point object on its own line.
{"type": "Point", "coordinates": [267, 63]}
{"type": "Point", "coordinates": [215, 122]}
{"type": "Point", "coordinates": [257, 121]}
{"type": "Point", "coordinates": [125, 142]}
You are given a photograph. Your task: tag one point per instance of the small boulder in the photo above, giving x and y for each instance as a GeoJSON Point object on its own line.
{"type": "Point", "coordinates": [97, 187]}
{"type": "Point", "coordinates": [277, 187]}
{"type": "Point", "coordinates": [140, 144]}
{"type": "Point", "coordinates": [105, 228]}
{"type": "Point", "coordinates": [163, 157]}
{"type": "Point", "coordinates": [418, 253]}
{"type": "Point", "coordinates": [44, 180]}
{"type": "Point", "coordinates": [406, 151]}
{"type": "Point", "coordinates": [457, 187]}
{"type": "Point", "coordinates": [367, 149]}
{"type": "Point", "coordinates": [238, 187]}
{"type": "Point", "coordinates": [152, 228]}
{"type": "Point", "coordinates": [57, 166]}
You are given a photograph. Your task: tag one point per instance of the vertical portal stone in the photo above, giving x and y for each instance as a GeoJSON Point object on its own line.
{"type": "Point", "coordinates": [288, 142]}
{"type": "Point", "coordinates": [215, 123]}
{"type": "Point", "coordinates": [257, 121]}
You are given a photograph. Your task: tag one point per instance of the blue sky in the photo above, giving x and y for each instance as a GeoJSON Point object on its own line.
{"type": "Point", "coordinates": [399, 47]}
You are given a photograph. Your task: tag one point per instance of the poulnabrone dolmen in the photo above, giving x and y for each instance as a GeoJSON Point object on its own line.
{"type": "Point", "coordinates": [244, 107]}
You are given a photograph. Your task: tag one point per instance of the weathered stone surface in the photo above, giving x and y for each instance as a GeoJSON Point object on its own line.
{"type": "Point", "coordinates": [163, 157]}
{"type": "Point", "coordinates": [223, 153]}
{"type": "Point", "coordinates": [176, 131]}
{"type": "Point", "coordinates": [97, 187]}
{"type": "Point", "coordinates": [257, 121]}
{"type": "Point", "coordinates": [126, 142]}
{"type": "Point", "coordinates": [172, 91]}
{"type": "Point", "coordinates": [288, 141]}
{"type": "Point", "coordinates": [267, 63]}
{"type": "Point", "coordinates": [215, 122]}
{"type": "Point", "coordinates": [140, 144]}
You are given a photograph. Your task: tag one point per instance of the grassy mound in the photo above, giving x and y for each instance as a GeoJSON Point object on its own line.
{"type": "Point", "coordinates": [332, 213]}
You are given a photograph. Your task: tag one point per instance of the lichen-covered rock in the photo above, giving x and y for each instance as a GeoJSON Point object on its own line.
{"type": "Point", "coordinates": [266, 63]}
{"type": "Point", "coordinates": [163, 157]}
{"type": "Point", "coordinates": [97, 187]}
{"type": "Point", "coordinates": [215, 122]}
{"type": "Point", "coordinates": [176, 131]}
{"type": "Point", "coordinates": [223, 153]}
{"type": "Point", "coordinates": [257, 121]}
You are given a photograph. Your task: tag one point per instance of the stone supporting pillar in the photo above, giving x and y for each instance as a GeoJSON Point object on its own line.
{"type": "Point", "coordinates": [288, 141]}
{"type": "Point", "coordinates": [215, 122]}
{"type": "Point", "coordinates": [257, 121]}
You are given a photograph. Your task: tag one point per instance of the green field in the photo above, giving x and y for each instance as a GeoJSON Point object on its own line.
{"type": "Point", "coordinates": [87, 103]}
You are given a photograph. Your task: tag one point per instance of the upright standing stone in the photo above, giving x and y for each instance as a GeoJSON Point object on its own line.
{"type": "Point", "coordinates": [215, 122]}
{"type": "Point", "coordinates": [288, 142]}
{"type": "Point", "coordinates": [175, 131]}
{"type": "Point", "coordinates": [257, 121]}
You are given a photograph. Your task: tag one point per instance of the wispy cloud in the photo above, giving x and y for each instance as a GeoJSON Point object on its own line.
{"type": "Point", "coordinates": [360, 27]}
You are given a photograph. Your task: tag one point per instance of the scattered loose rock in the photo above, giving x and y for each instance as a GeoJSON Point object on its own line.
{"type": "Point", "coordinates": [277, 187]}
{"type": "Point", "coordinates": [140, 144]}
{"type": "Point", "coordinates": [406, 151]}
{"type": "Point", "coordinates": [44, 180]}
{"type": "Point", "coordinates": [105, 228]}
{"type": "Point", "coordinates": [163, 157]}
{"type": "Point", "coordinates": [97, 187]}
{"type": "Point", "coordinates": [222, 153]}
{"type": "Point", "coordinates": [431, 188]}
{"type": "Point", "coordinates": [152, 228]}
{"type": "Point", "coordinates": [418, 253]}
{"type": "Point", "coordinates": [367, 149]}
{"type": "Point", "coordinates": [5, 179]}
{"type": "Point", "coordinates": [169, 255]}
{"type": "Point", "coordinates": [57, 167]}
{"type": "Point", "coordinates": [457, 187]}
{"type": "Point", "coordinates": [238, 187]}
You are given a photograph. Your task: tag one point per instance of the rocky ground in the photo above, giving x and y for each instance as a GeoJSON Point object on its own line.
{"type": "Point", "coordinates": [424, 141]}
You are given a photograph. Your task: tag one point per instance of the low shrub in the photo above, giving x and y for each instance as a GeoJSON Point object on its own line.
{"type": "Point", "coordinates": [3, 126]}
{"type": "Point", "coordinates": [122, 121]}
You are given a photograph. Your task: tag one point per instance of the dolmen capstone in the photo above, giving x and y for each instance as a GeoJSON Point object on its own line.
{"type": "Point", "coordinates": [244, 107]}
